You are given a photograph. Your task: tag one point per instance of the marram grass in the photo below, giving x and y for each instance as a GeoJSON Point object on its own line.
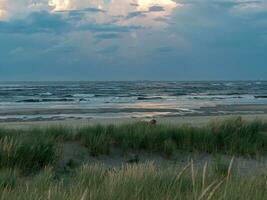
{"type": "Point", "coordinates": [233, 136]}
{"type": "Point", "coordinates": [36, 148]}
{"type": "Point", "coordinates": [28, 162]}
{"type": "Point", "coordinates": [138, 181]}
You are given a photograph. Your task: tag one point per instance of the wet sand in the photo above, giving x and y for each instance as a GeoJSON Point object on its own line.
{"type": "Point", "coordinates": [202, 111]}
{"type": "Point", "coordinates": [200, 117]}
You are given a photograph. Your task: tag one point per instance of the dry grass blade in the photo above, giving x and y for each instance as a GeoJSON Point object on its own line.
{"type": "Point", "coordinates": [204, 175]}
{"type": "Point", "coordinates": [84, 196]}
{"type": "Point", "coordinates": [181, 172]}
{"type": "Point", "coordinates": [204, 192]}
{"type": "Point", "coordinates": [49, 194]}
{"type": "Point", "coordinates": [214, 190]}
{"type": "Point", "coordinates": [230, 167]}
{"type": "Point", "coordinates": [228, 176]}
{"type": "Point", "coordinates": [193, 174]}
{"type": "Point", "coordinates": [178, 176]}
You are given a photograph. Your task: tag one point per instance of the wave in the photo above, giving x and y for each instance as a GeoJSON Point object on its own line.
{"type": "Point", "coordinates": [45, 100]}
{"type": "Point", "coordinates": [149, 98]}
{"type": "Point", "coordinates": [215, 97]}
{"type": "Point", "coordinates": [260, 96]}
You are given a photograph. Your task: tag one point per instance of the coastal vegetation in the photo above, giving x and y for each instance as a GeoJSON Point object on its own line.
{"type": "Point", "coordinates": [33, 165]}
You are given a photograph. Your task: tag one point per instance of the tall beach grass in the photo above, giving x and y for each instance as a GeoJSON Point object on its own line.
{"type": "Point", "coordinates": [233, 136]}
{"type": "Point", "coordinates": [29, 157]}
{"type": "Point", "coordinates": [141, 181]}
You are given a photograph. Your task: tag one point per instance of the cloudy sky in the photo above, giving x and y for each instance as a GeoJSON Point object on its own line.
{"type": "Point", "coordinates": [133, 39]}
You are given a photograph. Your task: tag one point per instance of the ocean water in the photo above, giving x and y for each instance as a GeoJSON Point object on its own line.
{"type": "Point", "coordinates": [122, 99]}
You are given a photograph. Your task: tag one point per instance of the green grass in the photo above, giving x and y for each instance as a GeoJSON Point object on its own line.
{"type": "Point", "coordinates": [142, 181]}
{"type": "Point", "coordinates": [169, 147]}
{"type": "Point", "coordinates": [234, 137]}
{"type": "Point", "coordinates": [220, 166]}
{"type": "Point", "coordinates": [27, 153]}
{"type": "Point", "coordinates": [28, 162]}
{"type": "Point", "coordinates": [97, 139]}
{"type": "Point", "coordinates": [8, 178]}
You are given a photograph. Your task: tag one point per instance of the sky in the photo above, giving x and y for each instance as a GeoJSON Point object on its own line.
{"type": "Point", "coordinates": [133, 40]}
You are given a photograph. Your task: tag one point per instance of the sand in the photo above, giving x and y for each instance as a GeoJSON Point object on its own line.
{"type": "Point", "coordinates": [79, 154]}
{"type": "Point", "coordinates": [177, 120]}
{"type": "Point", "coordinates": [199, 118]}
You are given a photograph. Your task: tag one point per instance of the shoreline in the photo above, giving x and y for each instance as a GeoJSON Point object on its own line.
{"type": "Point", "coordinates": [220, 109]}
{"type": "Point", "coordinates": [204, 110]}
{"type": "Point", "coordinates": [201, 117]}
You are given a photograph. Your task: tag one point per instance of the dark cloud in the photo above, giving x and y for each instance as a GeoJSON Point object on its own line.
{"type": "Point", "coordinates": [79, 14]}
{"type": "Point", "coordinates": [37, 22]}
{"type": "Point", "coordinates": [156, 9]}
{"type": "Point", "coordinates": [93, 10]}
{"type": "Point", "coordinates": [93, 27]}
{"type": "Point", "coordinates": [162, 19]}
{"type": "Point", "coordinates": [143, 13]}
{"type": "Point", "coordinates": [135, 14]}
{"type": "Point", "coordinates": [134, 4]}
{"type": "Point", "coordinates": [44, 22]}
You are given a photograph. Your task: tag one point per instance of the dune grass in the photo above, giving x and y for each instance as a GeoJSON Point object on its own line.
{"type": "Point", "coordinates": [142, 181]}
{"type": "Point", "coordinates": [36, 147]}
{"type": "Point", "coordinates": [233, 136]}
{"type": "Point", "coordinates": [25, 151]}
{"type": "Point", "coordinates": [28, 162]}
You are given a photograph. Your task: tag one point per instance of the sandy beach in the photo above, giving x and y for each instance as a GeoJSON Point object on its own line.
{"type": "Point", "coordinates": [202, 111]}
{"type": "Point", "coordinates": [178, 120]}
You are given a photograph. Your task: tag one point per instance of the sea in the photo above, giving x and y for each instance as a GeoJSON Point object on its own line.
{"type": "Point", "coordinates": [85, 100]}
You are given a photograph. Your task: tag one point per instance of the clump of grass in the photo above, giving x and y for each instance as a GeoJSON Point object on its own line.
{"type": "Point", "coordinates": [220, 166]}
{"type": "Point", "coordinates": [8, 178]}
{"type": "Point", "coordinates": [233, 136]}
{"type": "Point", "coordinates": [90, 175]}
{"type": "Point", "coordinates": [27, 154]}
{"type": "Point", "coordinates": [97, 139]}
{"type": "Point", "coordinates": [58, 133]}
{"type": "Point", "coordinates": [141, 181]}
{"type": "Point", "coordinates": [169, 147]}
